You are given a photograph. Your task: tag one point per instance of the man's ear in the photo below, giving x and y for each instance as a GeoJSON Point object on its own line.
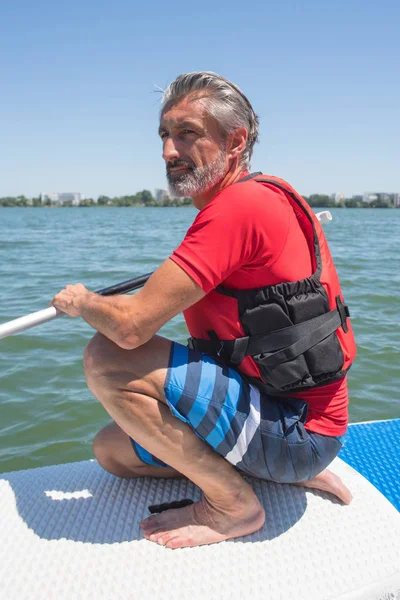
{"type": "Point", "coordinates": [236, 142]}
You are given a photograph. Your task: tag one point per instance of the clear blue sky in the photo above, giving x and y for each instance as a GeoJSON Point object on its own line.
{"type": "Point", "coordinates": [78, 111]}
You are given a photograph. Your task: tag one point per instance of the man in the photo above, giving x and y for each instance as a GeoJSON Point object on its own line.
{"type": "Point", "coordinates": [179, 412]}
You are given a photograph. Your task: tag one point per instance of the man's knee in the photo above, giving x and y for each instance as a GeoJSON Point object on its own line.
{"type": "Point", "coordinates": [109, 367]}
{"type": "Point", "coordinates": [96, 353]}
{"type": "Point", "coordinates": [98, 359]}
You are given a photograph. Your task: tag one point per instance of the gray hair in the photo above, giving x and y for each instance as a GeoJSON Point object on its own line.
{"type": "Point", "coordinates": [224, 101]}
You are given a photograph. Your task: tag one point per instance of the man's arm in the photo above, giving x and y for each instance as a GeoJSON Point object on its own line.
{"type": "Point", "coordinates": [130, 321]}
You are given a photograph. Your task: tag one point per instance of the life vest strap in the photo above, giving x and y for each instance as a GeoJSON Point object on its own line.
{"type": "Point", "coordinates": [276, 347]}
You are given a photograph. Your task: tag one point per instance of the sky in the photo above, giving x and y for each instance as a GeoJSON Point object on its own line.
{"type": "Point", "coordinates": [79, 108]}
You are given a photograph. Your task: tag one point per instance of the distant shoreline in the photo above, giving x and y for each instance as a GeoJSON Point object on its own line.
{"type": "Point", "coordinates": [145, 199]}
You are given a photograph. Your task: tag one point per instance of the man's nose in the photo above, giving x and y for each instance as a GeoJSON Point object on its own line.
{"type": "Point", "coordinates": [170, 150]}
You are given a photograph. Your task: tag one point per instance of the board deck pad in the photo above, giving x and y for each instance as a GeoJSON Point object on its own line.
{"type": "Point", "coordinates": [373, 449]}
{"type": "Point", "coordinates": [72, 531]}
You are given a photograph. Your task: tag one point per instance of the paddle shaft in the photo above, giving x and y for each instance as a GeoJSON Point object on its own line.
{"type": "Point", "coordinates": [48, 314]}
{"type": "Point", "coordinates": [125, 286]}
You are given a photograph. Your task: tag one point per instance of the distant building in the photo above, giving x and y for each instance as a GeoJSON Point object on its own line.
{"type": "Point", "coordinates": [396, 200]}
{"type": "Point", "coordinates": [357, 198]}
{"type": "Point", "coordinates": [72, 198]}
{"type": "Point", "coordinates": [337, 197]}
{"type": "Point", "coordinates": [161, 195]}
{"type": "Point", "coordinates": [373, 196]}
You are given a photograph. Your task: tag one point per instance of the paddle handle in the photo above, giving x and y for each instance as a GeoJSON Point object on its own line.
{"type": "Point", "coordinates": [324, 216]}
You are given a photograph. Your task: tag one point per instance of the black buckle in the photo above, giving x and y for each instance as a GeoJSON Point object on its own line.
{"type": "Point", "coordinates": [221, 347]}
{"type": "Point", "coordinates": [190, 343]}
{"type": "Point", "coordinates": [215, 340]}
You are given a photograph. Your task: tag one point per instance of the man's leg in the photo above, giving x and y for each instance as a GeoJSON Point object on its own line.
{"type": "Point", "coordinates": [113, 451]}
{"type": "Point", "coordinates": [130, 385]}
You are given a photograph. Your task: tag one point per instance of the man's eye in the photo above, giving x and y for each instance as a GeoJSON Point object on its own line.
{"type": "Point", "coordinates": [163, 135]}
{"type": "Point", "coordinates": [188, 131]}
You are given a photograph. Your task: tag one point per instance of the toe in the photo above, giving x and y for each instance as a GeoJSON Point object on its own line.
{"type": "Point", "coordinates": [153, 534]}
{"type": "Point", "coordinates": [166, 539]}
{"type": "Point", "coordinates": [173, 543]}
{"type": "Point", "coordinates": [157, 535]}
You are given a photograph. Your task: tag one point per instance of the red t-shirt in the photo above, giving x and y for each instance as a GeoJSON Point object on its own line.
{"type": "Point", "coordinates": [248, 237]}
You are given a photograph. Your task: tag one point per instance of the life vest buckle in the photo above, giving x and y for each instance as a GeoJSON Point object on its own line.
{"type": "Point", "coordinates": [221, 347]}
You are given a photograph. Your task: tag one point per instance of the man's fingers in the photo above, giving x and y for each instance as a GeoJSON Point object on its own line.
{"type": "Point", "coordinates": [76, 287]}
{"type": "Point", "coordinates": [68, 299]}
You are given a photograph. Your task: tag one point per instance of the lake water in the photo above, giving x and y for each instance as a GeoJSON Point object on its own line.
{"type": "Point", "coordinates": [48, 416]}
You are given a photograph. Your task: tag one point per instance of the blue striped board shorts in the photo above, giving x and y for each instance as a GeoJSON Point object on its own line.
{"type": "Point", "coordinates": [261, 435]}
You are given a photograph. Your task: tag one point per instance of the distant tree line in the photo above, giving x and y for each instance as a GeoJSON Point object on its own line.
{"type": "Point", "coordinates": [323, 201]}
{"type": "Point", "coordinates": [145, 198]}
{"type": "Point", "coordinates": [19, 201]}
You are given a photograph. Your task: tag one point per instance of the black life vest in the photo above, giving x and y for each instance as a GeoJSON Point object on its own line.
{"type": "Point", "coordinates": [297, 332]}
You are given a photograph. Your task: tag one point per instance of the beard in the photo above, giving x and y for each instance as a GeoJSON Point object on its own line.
{"type": "Point", "coordinates": [197, 180]}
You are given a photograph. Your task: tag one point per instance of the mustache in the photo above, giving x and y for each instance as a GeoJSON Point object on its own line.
{"type": "Point", "coordinates": [179, 163]}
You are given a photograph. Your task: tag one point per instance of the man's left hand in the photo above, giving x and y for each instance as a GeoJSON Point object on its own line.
{"type": "Point", "coordinates": [70, 300]}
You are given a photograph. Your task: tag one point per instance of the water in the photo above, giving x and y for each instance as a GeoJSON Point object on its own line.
{"type": "Point", "coordinates": [48, 416]}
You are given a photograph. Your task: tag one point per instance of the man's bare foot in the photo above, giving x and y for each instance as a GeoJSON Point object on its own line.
{"type": "Point", "coordinates": [329, 482]}
{"type": "Point", "coordinates": [205, 523]}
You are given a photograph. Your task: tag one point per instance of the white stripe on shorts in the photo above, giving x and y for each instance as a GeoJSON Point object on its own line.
{"type": "Point", "coordinates": [249, 428]}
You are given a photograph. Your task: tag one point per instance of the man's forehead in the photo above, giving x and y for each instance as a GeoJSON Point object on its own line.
{"type": "Point", "coordinates": [189, 109]}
